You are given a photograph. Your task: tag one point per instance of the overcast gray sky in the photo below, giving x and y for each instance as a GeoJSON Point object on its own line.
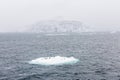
{"type": "Point", "coordinates": [99, 14]}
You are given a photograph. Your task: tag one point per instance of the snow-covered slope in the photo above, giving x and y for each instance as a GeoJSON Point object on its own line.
{"type": "Point", "coordinates": [58, 26]}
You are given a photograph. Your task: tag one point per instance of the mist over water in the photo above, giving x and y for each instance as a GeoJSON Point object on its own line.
{"type": "Point", "coordinates": [103, 15]}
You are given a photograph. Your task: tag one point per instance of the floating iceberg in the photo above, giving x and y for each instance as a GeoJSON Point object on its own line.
{"type": "Point", "coordinates": [59, 34]}
{"type": "Point", "coordinates": [54, 60]}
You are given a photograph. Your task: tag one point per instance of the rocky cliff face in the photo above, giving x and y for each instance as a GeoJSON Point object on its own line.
{"type": "Point", "coordinates": [58, 26]}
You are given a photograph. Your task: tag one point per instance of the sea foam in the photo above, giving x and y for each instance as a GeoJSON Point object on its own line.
{"type": "Point", "coordinates": [58, 60]}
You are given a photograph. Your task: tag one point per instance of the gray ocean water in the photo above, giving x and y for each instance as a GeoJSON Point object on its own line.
{"type": "Point", "coordinates": [99, 56]}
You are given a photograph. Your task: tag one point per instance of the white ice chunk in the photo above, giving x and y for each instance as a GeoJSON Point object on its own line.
{"type": "Point", "coordinates": [54, 60]}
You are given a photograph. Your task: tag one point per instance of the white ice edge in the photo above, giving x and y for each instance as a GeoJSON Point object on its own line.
{"type": "Point", "coordinates": [57, 60]}
{"type": "Point", "coordinates": [56, 34]}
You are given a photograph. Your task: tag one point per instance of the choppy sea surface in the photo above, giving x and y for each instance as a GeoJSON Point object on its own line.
{"type": "Point", "coordinates": [98, 54]}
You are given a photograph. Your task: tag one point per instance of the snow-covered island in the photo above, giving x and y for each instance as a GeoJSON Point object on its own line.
{"type": "Point", "coordinates": [58, 27]}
